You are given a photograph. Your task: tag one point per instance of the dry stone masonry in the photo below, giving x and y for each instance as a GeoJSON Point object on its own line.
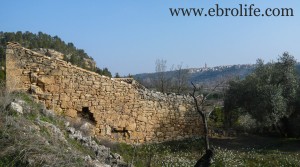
{"type": "Point", "coordinates": [118, 109]}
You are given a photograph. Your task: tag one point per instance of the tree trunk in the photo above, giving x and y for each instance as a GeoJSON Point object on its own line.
{"type": "Point", "coordinates": [205, 128]}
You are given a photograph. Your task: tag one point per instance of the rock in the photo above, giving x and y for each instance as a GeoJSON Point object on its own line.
{"type": "Point", "coordinates": [48, 113]}
{"type": "Point", "coordinates": [131, 126]}
{"type": "Point", "coordinates": [77, 135]}
{"type": "Point", "coordinates": [117, 156]}
{"type": "Point", "coordinates": [50, 52]}
{"type": "Point", "coordinates": [21, 102]}
{"type": "Point", "coordinates": [71, 130]}
{"type": "Point", "coordinates": [67, 124]}
{"type": "Point", "coordinates": [89, 63]}
{"type": "Point", "coordinates": [35, 89]}
{"type": "Point", "coordinates": [71, 113]}
{"type": "Point", "coordinates": [107, 130]}
{"type": "Point", "coordinates": [159, 134]}
{"type": "Point", "coordinates": [87, 158]}
{"type": "Point", "coordinates": [16, 107]}
{"type": "Point", "coordinates": [142, 118]}
{"type": "Point", "coordinates": [53, 129]}
{"type": "Point", "coordinates": [86, 127]}
{"type": "Point", "coordinates": [182, 108]}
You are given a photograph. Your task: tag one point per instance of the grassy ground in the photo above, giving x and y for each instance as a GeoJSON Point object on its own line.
{"type": "Point", "coordinates": [25, 141]}
{"type": "Point", "coordinates": [239, 151]}
{"type": "Point", "coordinates": [257, 151]}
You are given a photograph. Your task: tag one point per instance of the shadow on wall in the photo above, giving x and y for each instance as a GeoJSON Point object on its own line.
{"type": "Point", "coordinates": [87, 116]}
{"type": "Point", "coordinates": [178, 126]}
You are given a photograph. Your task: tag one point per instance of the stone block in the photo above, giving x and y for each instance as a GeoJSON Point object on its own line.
{"type": "Point", "coordinates": [107, 130]}
{"type": "Point", "coordinates": [71, 113]}
{"type": "Point", "coordinates": [142, 118]}
{"type": "Point", "coordinates": [52, 88]}
{"type": "Point", "coordinates": [131, 126]}
{"type": "Point", "coordinates": [182, 108]}
{"type": "Point", "coordinates": [64, 97]}
{"type": "Point", "coordinates": [56, 72]}
{"type": "Point", "coordinates": [47, 80]}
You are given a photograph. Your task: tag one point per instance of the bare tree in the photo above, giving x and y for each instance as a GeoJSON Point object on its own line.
{"type": "Point", "coordinates": [180, 79]}
{"type": "Point", "coordinates": [161, 79]}
{"type": "Point", "coordinates": [204, 107]}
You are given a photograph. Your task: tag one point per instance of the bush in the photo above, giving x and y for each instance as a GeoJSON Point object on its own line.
{"type": "Point", "coordinates": [246, 122]}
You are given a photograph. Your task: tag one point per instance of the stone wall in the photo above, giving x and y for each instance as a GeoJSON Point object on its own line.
{"type": "Point", "coordinates": [120, 109]}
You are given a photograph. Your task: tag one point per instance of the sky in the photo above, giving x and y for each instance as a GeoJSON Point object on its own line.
{"type": "Point", "coordinates": [128, 36]}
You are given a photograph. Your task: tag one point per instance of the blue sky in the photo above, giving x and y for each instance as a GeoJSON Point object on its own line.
{"type": "Point", "coordinates": [127, 36]}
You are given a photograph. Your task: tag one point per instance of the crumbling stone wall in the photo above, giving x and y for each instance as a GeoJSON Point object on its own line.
{"type": "Point", "coordinates": [120, 109]}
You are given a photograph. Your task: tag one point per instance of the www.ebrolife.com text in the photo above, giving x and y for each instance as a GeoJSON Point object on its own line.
{"type": "Point", "coordinates": [239, 11]}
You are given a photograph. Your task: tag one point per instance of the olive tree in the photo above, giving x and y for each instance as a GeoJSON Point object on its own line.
{"type": "Point", "coordinates": [267, 94]}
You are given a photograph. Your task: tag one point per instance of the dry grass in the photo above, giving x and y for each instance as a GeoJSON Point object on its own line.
{"type": "Point", "coordinates": [27, 140]}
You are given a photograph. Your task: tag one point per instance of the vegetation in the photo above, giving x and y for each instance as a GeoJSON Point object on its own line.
{"type": "Point", "coordinates": [41, 40]}
{"type": "Point", "coordinates": [204, 108]}
{"type": "Point", "coordinates": [177, 74]}
{"type": "Point", "coordinates": [175, 80]}
{"type": "Point", "coordinates": [36, 138]}
{"type": "Point", "coordinates": [241, 151]}
{"type": "Point", "coordinates": [267, 101]}
{"type": "Point", "coordinates": [161, 81]}
{"type": "Point", "coordinates": [268, 95]}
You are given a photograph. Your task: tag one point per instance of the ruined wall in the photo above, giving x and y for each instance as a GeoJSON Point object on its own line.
{"type": "Point", "coordinates": [120, 109]}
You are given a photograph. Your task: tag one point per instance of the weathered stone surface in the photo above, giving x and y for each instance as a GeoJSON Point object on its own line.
{"type": "Point", "coordinates": [16, 107]}
{"type": "Point", "coordinates": [121, 109]}
{"type": "Point", "coordinates": [71, 113]}
{"type": "Point", "coordinates": [107, 130]}
{"type": "Point", "coordinates": [50, 52]}
{"type": "Point", "coordinates": [142, 118]}
{"type": "Point", "coordinates": [131, 126]}
{"type": "Point", "coordinates": [47, 80]}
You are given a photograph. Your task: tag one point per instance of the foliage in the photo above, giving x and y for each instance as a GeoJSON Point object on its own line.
{"type": "Point", "coordinates": [117, 75]}
{"type": "Point", "coordinates": [246, 122]}
{"type": "Point", "coordinates": [42, 40]}
{"type": "Point", "coordinates": [268, 94]}
{"type": "Point", "coordinates": [104, 72]}
{"type": "Point", "coordinates": [216, 119]}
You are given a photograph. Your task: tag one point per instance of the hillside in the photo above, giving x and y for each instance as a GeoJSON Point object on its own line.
{"type": "Point", "coordinates": [49, 45]}
{"type": "Point", "coordinates": [31, 135]}
{"type": "Point", "coordinates": [204, 76]}
{"type": "Point", "coordinates": [208, 75]}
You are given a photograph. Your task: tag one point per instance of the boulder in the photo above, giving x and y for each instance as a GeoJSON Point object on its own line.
{"type": "Point", "coordinates": [16, 107]}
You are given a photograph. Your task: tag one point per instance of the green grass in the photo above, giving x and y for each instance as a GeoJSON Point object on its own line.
{"type": "Point", "coordinates": [253, 157]}
{"type": "Point", "coordinates": [160, 154]}
{"type": "Point", "coordinates": [187, 152]}
{"type": "Point", "coordinates": [12, 161]}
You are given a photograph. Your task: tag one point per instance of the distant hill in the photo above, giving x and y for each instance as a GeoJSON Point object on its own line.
{"type": "Point", "coordinates": [42, 41]}
{"type": "Point", "coordinates": [205, 75]}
